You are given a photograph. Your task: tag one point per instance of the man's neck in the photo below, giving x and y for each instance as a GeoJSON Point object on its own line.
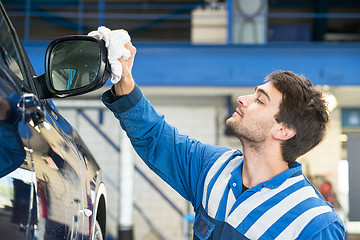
{"type": "Point", "coordinates": [261, 164]}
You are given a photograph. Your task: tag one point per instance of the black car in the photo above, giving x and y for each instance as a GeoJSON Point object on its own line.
{"type": "Point", "coordinates": [50, 185]}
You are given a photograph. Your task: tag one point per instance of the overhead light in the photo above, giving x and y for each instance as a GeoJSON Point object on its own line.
{"type": "Point", "coordinates": [343, 138]}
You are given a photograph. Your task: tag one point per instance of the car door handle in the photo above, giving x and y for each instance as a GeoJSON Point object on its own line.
{"type": "Point", "coordinates": [30, 105]}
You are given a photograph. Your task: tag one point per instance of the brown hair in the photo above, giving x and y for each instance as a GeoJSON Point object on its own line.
{"type": "Point", "coordinates": [303, 109]}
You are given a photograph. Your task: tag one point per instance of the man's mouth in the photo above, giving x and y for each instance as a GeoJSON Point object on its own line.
{"type": "Point", "coordinates": [238, 112]}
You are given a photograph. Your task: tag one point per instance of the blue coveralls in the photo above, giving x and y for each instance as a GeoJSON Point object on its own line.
{"type": "Point", "coordinates": [285, 207]}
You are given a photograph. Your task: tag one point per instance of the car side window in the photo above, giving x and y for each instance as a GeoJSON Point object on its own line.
{"type": "Point", "coordinates": [8, 51]}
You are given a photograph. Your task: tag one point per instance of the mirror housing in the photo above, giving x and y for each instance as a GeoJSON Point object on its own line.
{"type": "Point", "coordinates": [75, 65]}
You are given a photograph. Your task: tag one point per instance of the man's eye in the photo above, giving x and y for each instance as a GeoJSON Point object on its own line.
{"type": "Point", "coordinates": [259, 101]}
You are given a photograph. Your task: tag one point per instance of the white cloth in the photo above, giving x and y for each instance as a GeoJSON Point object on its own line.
{"type": "Point", "coordinates": [114, 41]}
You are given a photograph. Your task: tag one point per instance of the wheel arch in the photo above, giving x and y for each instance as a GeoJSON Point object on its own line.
{"type": "Point", "coordinates": [100, 210]}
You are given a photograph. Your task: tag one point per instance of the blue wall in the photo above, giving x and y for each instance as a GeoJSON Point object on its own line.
{"type": "Point", "coordinates": [234, 65]}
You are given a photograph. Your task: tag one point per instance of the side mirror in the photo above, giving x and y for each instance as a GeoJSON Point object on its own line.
{"type": "Point", "coordinates": [75, 65]}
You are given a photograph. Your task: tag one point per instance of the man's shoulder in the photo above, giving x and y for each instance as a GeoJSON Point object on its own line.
{"type": "Point", "coordinates": [299, 188]}
{"type": "Point", "coordinates": [313, 213]}
{"type": "Point", "coordinates": [326, 225]}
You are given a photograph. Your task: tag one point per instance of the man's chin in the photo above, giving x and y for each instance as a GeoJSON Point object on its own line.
{"type": "Point", "coordinates": [229, 121]}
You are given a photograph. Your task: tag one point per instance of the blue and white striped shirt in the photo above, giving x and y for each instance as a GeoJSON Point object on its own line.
{"type": "Point", "coordinates": [285, 207]}
{"type": "Point", "coordinates": [210, 177]}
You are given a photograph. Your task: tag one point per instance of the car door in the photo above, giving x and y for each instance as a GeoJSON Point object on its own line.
{"type": "Point", "coordinates": [60, 175]}
{"type": "Point", "coordinates": [45, 196]}
{"type": "Point", "coordinates": [41, 192]}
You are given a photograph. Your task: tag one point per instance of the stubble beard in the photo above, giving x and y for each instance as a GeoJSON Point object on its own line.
{"type": "Point", "coordinates": [251, 138]}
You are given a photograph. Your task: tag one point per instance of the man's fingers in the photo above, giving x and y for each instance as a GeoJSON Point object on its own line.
{"type": "Point", "coordinates": [131, 48]}
{"type": "Point", "coordinates": [126, 66]}
{"type": "Point", "coordinates": [122, 60]}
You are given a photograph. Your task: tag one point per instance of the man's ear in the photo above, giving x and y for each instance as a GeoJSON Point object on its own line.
{"type": "Point", "coordinates": [283, 132]}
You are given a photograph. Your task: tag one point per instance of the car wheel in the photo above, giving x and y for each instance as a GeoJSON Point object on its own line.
{"type": "Point", "coordinates": [98, 233]}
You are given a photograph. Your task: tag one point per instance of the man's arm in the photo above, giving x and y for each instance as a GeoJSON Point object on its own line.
{"type": "Point", "coordinates": [176, 158]}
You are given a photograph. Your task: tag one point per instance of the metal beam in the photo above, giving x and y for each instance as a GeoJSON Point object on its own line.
{"type": "Point", "coordinates": [236, 65]}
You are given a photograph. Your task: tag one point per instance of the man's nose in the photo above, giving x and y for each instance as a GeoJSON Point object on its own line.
{"type": "Point", "coordinates": [243, 100]}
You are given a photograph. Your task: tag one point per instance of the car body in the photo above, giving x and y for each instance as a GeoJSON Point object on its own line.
{"type": "Point", "coordinates": [50, 184]}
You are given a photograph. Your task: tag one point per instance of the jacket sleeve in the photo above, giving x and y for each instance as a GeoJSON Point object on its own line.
{"type": "Point", "coordinates": [176, 158]}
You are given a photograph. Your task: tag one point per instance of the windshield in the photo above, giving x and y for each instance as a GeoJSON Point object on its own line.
{"type": "Point", "coordinates": [8, 51]}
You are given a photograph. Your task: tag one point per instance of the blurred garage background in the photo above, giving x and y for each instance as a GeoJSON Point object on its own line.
{"type": "Point", "coordinates": [193, 59]}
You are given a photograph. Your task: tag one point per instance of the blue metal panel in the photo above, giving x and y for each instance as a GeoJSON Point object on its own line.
{"type": "Point", "coordinates": [236, 65]}
{"type": "Point", "coordinates": [229, 21]}
{"type": "Point", "coordinates": [36, 53]}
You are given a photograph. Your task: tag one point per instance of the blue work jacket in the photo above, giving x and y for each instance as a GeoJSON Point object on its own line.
{"type": "Point", "coordinates": [210, 177]}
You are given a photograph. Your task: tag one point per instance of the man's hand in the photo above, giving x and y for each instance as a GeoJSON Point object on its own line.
{"type": "Point", "coordinates": [127, 83]}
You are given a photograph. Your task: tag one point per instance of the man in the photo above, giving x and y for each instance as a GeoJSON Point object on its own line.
{"type": "Point", "coordinates": [258, 194]}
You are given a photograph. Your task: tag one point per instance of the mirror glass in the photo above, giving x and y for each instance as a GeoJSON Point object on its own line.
{"type": "Point", "coordinates": [74, 64]}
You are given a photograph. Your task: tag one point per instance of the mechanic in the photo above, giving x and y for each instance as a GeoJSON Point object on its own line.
{"type": "Point", "coordinates": [260, 193]}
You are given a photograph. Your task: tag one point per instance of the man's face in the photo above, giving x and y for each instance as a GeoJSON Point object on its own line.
{"type": "Point", "coordinates": [254, 118]}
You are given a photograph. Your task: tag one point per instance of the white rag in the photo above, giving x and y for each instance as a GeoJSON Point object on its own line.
{"type": "Point", "coordinates": [114, 41]}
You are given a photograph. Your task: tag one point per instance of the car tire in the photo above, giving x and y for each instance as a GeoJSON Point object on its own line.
{"type": "Point", "coordinates": [97, 232]}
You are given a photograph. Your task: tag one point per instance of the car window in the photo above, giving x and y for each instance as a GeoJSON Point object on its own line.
{"type": "Point", "coordinates": [8, 51]}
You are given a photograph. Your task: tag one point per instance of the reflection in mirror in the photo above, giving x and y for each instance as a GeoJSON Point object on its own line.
{"type": "Point", "coordinates": [68, 74]}
{"type": "Point", "coordinates": [74, 64]}
{"type": "Point", "coordinates": [12, 152]}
